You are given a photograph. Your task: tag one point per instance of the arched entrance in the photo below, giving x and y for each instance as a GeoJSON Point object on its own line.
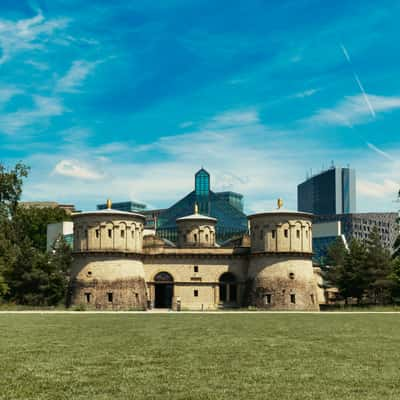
{"type": "Point", "coordinates": [164, 290]}
{"type": "Point", "coordinates": [227, 288]}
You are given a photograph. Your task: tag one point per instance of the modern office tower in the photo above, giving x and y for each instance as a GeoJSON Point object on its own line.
{"type": "Point", "coordinates": [330, 192]}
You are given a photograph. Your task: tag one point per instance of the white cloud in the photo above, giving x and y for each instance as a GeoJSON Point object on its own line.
{"type": "Point", "coordinates": [378, 190]}
{"type": "Point", "coordinates": [26, 34]}
{"type": "Point", "coordinates": [75, 169]}
{"type": "Point", "coordinates": [253, 159]}
{"type": "Point", "coordinates": [75, 76]}
{"type": "Point", "coordinates": [7, 93]}
{"type": "Point", "coordinates": [185, 124]}
{"type": "Point", "coordinates": [44, 108]}
{"type": "Point", "coordinates": [246, 158]}
{"type": "Point", "coordinates": [353, 110]}
{"type": "Point", "coordinates": [306, 93]}
{"type": "Point", "coordinates": [234, 118]}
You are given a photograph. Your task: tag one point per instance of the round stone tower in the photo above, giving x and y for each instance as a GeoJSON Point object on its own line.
{"type": "Point", "coordinates": [281, 269]}
{"type": "Point", "coordinates": [107, 270]}
{"type": "Point", "coordinates": [196, 230]}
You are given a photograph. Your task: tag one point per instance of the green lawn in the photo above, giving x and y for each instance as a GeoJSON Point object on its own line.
{"type": "Point", "coordinates": [226, 356]}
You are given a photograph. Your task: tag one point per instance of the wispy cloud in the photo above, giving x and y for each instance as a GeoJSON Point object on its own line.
{"type": "Point", "coordinates": [76, 169]}
{"type": "Point", "coordinates": [306, 93]}
{"type": "Point", "coordinates": [7, 93]}
{"type": "Point", "coordinates": [27, 34]}
{"type": "Point", "coordinates": [235, 118]}
{"type": "Point", "coordinates": [75, 76]}
{"type": "Point", "coordinates": [352, 110]}
{"type": "Point", "coordinates": [378, 190]}
{"type": "Point", "coordinates": [44, 108]}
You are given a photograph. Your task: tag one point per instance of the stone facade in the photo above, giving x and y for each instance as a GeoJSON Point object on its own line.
{"type": "Point", "coordinates": [117, 267]}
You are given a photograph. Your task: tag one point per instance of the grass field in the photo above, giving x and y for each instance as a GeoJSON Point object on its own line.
{"type": "Point", "coordinates": [226, 356]}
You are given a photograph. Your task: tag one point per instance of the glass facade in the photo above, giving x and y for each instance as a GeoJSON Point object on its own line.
{"type": "Point", "coordinates": [330, 192]}
{"type": "Point", "coordinates": [226, 207]}
{"type": "Point", "coordinates": [130, 206]}
{"type": "Point", "coordinates": [202, 183]}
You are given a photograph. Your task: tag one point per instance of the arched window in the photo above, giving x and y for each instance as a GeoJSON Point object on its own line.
{"type": "Point", "coordinates": [163, 277]}
{"type": "Point", "coordinates": [227, 288]}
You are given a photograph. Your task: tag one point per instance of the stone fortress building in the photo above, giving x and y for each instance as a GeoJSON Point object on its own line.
{"type": "Point", "coordinates": [119, 266]}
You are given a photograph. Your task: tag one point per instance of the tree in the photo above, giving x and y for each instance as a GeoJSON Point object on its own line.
{"type": "Point", "coordinates": [333, 263]}
{"type": "Point", "coordinates": [11, 181]}
{"type": "Point", "coordinates": [32, 223]}
{"type": "Point", "coordinates": [395, 278]}
{"type": "Point", "coordinates": [39, 278]}
{"type": "Point", "coordinates": [396, 252]}
{"type": "Point", "coordinates": [10, 192]}
{"type": "Point", "coordinates": [352, 282]}
{"type": "Point", "coordinates": [377, 268]}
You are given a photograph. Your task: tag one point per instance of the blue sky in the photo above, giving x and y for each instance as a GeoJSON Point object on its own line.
{"type": "Point", "coordinates": [127, 99]}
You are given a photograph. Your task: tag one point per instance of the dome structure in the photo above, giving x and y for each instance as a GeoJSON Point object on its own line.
{"type": "Point", "coordinates": [196, 230]}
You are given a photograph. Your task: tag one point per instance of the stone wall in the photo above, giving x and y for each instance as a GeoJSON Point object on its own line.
{"type": "Point", "coordinates": [284, 282]}
{"type": "Point", "coordinates": [95, 275]}
{"type": "Point", "coordinates": [205, 281]}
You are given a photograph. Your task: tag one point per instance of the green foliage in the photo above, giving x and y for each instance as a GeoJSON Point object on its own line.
{"type": "Point", "coordinates": [28, 274]}
{"type": "Point", "coordinates": [396, 246]}
{"type": "Point", "coordinates": [39, 278]}
{"type": "Point", "coordinates": [32, 223]}
{"type": "Point", "coordinates": [334, 263]}
{"type": "Point", "coordinates": [11, 188]}
{"type": "Point", "coordinates": [362, 272]}
{"type": "Point", "coordinates": [378, 267]}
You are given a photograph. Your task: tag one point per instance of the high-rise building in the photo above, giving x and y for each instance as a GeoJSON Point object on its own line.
{"type": "Point", "coordinates": [331, 192]}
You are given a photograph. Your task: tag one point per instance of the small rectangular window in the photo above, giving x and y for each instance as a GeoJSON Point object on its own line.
{"type": "Point", "coordinates": [298, 233]}
{"type": "Point", "coordinates": [273, 234]}
{"type": "Point", "coordinates": [195, 237]}
{"type": "Point", "coordinates": [133, 234]}
{"type": "Point", "coordinates": [110, 233]}
{"type": "Point", "coordinates": [122, 234]}
{"type": "Point", "coordinates": [196, 268]}
{"type": "Point", "coordinates": [196, 293]}
{"type": "Point", "coordinates": [206, 237]}
{"type": "Point", "coordinates": [110, 297]}
{"type": "Point", "coordinates": [293, 298]}
{"type": "Point", "coordinates": [286, 233]}
{"type": "Point", "coordinates": [307, 234]}
{"type": "Point", "coordinates": [97, 233]}
{"type": "Point", "coordinates": [268, 299]}
{"type": "Point", "coordinates": [312, 299]}
{"type": "Point", "coordinates": [87, 296]}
